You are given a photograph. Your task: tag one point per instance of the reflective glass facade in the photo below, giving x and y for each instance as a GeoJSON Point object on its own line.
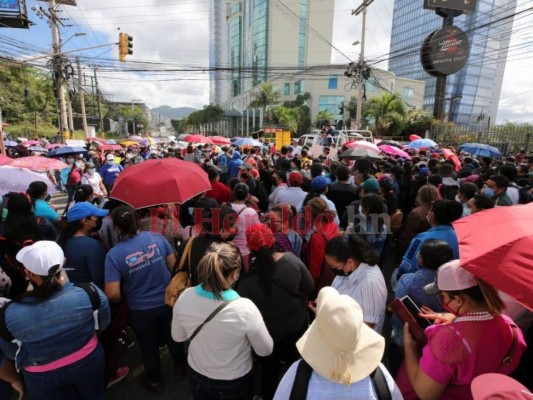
{"type": "Point", "coordinates": [235, 48]}
{"type": "Point", "coordinates": [259, 32]}
{"type": "Point", "coordinates": [476, 88]}
{"type": "Point", "coordinates": [332, 104]}
{"type": "Point", "coordinates": [302, 34]}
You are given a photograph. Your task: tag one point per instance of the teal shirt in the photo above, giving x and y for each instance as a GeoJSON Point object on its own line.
{"type": "Point", "coordinates": [227, 295]}
{"type": "Point", "coordinates": [44, 210]}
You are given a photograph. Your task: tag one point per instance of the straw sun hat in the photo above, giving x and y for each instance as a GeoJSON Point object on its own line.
{"type": "Point", "coordinates": [339, 345]}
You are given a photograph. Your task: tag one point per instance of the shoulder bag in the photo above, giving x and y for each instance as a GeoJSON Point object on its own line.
{"type": "Point", "coordinates": [183, 279]}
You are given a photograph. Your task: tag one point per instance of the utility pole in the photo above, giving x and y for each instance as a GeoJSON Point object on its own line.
{"type": "Point", "coordinates": [98, 102]}
{"type": "Point", "coordinates": [361, 9]}
{"type": "Point", "coordinates": [70, 115]}
{"type": "Point", "coordinates": [82, 97]}
{"type": "Point", "coordinates": [58, 69]}
{"type": "Point", "coordinates": [2, 145]}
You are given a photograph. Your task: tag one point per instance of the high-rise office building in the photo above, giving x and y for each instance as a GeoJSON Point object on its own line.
{"type": "Point", "coordinates": [472, 94]}
{"type": "Point", "coordinates": [256, 39]}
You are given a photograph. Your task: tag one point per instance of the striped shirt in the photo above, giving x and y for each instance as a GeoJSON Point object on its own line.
{"type": "Point", "coordinates": [366, 285]}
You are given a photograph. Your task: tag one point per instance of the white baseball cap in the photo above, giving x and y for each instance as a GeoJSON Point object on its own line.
{"type": "Point", "coordinates": [43, 258]}
{"type": "Point", "coordinates": [110, 157]}
{"type": "Point", "coordinates": [450, 277]}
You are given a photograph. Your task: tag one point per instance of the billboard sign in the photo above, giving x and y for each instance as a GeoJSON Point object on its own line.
{"type": "Point", "coordinates": [9, 7]}
{"type": "Point", "coordinates": [458, 5]}
{"type": "Point", "coordinates": [445, 51]}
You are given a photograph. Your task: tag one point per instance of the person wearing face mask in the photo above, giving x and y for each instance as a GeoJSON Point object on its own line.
{"type": "Point", "coordinates": [473, 338]}
{"type": "Point", "coordinates": [73, 177]}
{"type": "Point", "coordinates": [93, 179]}
{"type": "Point", "coordinates": [110, 171]}
{"type": "Point", "coordinates": [85, 256]}
{"type": "Point", "coordinates": [354, 264]}
{"type": "Point", "coordinates": [496, 189]}
{"type": "Point", "coordinates": [441, 216]}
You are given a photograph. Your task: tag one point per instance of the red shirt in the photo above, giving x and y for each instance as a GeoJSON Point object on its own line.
{"type": "Point", "coordinates": [219, 192]}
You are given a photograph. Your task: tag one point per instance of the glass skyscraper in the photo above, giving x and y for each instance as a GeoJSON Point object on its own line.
{"type": "Point", "coordinates": [472, 94]}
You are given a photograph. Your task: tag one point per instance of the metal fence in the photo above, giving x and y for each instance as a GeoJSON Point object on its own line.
{"type": "Point", "coordinates": [507, 140]}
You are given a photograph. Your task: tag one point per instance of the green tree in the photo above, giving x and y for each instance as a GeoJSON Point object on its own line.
{"type": "Point", "coordinates": [322, 115]}
{"type": "Point", "coordinates": [417, 122]}
{"type": "Point", "coordinates": [265, 98]}
{"type": "Point", "coordinates": [386, 114]}
{"type": "Point", "coordinates": [301, 112]}
{"type": "Point", "coordinates": [286, 117]}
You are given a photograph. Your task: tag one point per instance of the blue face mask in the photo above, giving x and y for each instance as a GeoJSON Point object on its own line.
{"type": "Point", "coordinates": [489, 192]}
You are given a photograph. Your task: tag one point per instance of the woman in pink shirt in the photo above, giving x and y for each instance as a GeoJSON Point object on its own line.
{"type": "Point", "coordinates": [474, 338]}
{"type": "Point", "coordinates": [246, 217]}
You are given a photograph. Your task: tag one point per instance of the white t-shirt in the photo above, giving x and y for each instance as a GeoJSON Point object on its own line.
{"type": "Point", "coordinates": [222, 348]}
{"type": "Point", "coordinates": [93, 181]}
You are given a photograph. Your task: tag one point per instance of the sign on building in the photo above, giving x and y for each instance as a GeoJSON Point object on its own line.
{"type": "Point", "coordinates": [445, 51]}
{"type": "Point", "coordinates": [458, 5]}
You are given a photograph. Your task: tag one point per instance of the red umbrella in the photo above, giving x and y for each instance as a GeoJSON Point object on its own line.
{"type": "Point", "coordinates": [391, 150]}
{"type": "Point", "coordinates": [5, 160]}
{"type": "Point", "coordinates": [38, 163]}
{"type": "Point", "coordinates": [412, 138]}
{"type": "Point", "coordinates": [160, 181]}
{"type": "Point", "coordinates": [198, 139]}
{"type": "Point", "coordinates": [497, 246]}
{"type": "Point", "coordinates": [220, 140]}
{"type": "Point", "coordinates": [110, 147]}
{"type": "Point", "coordinates": [450, 155]}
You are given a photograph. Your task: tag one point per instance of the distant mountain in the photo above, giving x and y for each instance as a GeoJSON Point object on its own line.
{"type": "Point", "coordinates": [173, 112]}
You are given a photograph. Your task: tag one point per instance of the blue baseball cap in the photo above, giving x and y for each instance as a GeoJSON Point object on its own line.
{"type": "Point", "coordinates": [320, 182]}
{"type": "Point", "coordinates": [84, 209]}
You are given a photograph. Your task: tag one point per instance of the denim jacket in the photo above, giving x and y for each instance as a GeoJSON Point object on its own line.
{"type": "Point", "coordinates": [51, 329]}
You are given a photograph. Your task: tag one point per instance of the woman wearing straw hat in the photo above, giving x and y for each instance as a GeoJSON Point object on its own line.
{"type": "Point", "coordinates": [343, 353]}
{"type": "Point", "coordinates": [473, 338]}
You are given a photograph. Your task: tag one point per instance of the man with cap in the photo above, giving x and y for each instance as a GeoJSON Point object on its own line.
{"type": "Point", "coordinates": [94, 180]}
{"type": "Point", "coordinates": [342, 354]}
{"type": "Point", "coordinates": [293, 195]}
{"type": "Point", "coordinates": [59, 354]}
{"type": "Point", "coordinates": [109, 172]}
{"type": "Point", "coordinates": [319, 187]}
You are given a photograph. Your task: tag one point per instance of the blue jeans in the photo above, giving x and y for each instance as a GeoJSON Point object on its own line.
{"type": "Point", "coordinates": [152, 328]}
{"type": "Point", "coordinates": [83, 380]}
{"type": "Point", "coordinates": [204, 388]}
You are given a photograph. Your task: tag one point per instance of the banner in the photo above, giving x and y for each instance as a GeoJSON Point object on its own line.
{"type": "Point", "coordinates": [9, 7]}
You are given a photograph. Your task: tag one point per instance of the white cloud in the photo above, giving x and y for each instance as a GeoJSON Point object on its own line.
{"type": "Point", "coordinates": [180, 39]}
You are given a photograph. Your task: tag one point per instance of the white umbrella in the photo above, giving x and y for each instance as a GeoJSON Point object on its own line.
{"type": "Point", "coordinates": [13, 179]}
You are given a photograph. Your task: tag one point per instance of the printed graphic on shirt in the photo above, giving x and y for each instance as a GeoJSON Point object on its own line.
{"type": "Point", "coordinates": [141, 259]}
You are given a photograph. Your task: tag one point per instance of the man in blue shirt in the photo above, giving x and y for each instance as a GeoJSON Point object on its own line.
{"type": "Point", "coordinates": [441, 216]}
{"type": "Point", "coordinates": [109, 172]}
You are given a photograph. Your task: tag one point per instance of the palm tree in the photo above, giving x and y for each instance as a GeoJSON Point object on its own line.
{"type": "Point", "coordinates": [388, 113]}
{"type": "Point", "coordinates": [266, 97]}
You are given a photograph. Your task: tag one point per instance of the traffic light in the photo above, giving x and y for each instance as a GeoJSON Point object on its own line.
{"type": "Point", "coordinates": [125, 46]}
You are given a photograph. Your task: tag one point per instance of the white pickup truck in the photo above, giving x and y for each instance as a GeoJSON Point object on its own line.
{"type": "Point", "coordinates": [342, 138]}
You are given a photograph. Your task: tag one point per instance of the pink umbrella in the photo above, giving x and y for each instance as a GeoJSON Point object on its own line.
{"type": "Point", "coordinates": [29, 143]}
{"type": "Point", "coordinates": [38, 163]}
{"type": "Point", "coordinates": [5, 160]}
{"type": "Point", "coordinates": [198, 139]}
{"type": "Point", "coordinates": [53, 146]}
{"type": "Point", "coordinates": [110, 147]}
{"type": "Point", "coordinates": [363, 144]}
{"type": "Point", "coordinates": [219, 140]}
{"type": "Point", "coordinates": [394, 151]}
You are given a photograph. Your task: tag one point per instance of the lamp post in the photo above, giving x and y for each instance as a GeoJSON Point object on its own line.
{"type": "Point", "coordinates": [133, 112]}
{"type": "Point", "coordinates": [77, 34]}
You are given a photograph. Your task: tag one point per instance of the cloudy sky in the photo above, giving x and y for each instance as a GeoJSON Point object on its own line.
{"type": "Point", "coordinates": [171, 43]}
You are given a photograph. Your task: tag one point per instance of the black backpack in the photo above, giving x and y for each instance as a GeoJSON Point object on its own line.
{"type": "Point", "coordinates": [303, 375]}
{"type": "Point", "coordinates": [262, 196]}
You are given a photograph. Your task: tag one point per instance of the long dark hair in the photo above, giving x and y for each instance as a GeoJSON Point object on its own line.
{"type": "Point", "coordinates": [125, 219]}
{"type": "Point", "coordinates": [265, 266]}
{"type": "Point", "coordinates": [341, 248]}
{"type": "Point", "coordinates": [51, 284]}
{"type": "Point", "coordinates": [70, 229]}
{"type": "Point", "coordinates": [21, 224]}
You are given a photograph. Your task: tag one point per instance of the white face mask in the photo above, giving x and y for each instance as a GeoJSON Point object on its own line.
{"type": "Point", "coordinates": [91, 171]}
{"type": "Point", "coordinates": [70, 160]}
{"type": "Point", "coordinates": [110, 162]}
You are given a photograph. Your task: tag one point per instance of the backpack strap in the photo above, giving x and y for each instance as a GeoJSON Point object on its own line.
{"type": "Point", "coordinates": [301, 381]}
{"type": "Point", "coordinates": [379, 383]}
{"type": "Point", "coordinates": [94, 297]}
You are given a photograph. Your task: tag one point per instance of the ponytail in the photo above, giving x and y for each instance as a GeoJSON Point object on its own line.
{"type": "Point", "coordinates": [220, 260]}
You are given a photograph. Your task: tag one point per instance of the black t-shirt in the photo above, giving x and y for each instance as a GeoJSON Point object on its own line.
{"type": "Point", "coordinates": [199, 247]}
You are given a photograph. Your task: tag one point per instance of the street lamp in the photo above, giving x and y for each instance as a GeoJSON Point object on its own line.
{"type": "Point", "coordinates": [133, 112]}
{"type": "Point", "coordinates": [77, 34]}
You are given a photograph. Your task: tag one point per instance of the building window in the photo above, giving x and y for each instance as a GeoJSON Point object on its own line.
{"type": "Point", "coordinates": [408, 93]}
{"type": "Point", "coordinates": [287, 89]}
{"type": "Point", "coordinates": [331, 104]}
{"type": "Point", "coordinates": [332, 83]}
{"type": "Point", "coordinates": [298, 87]}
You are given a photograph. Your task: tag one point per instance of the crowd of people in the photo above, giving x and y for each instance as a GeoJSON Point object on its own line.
{"type": "Point", "coordinates": [293, 260]}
